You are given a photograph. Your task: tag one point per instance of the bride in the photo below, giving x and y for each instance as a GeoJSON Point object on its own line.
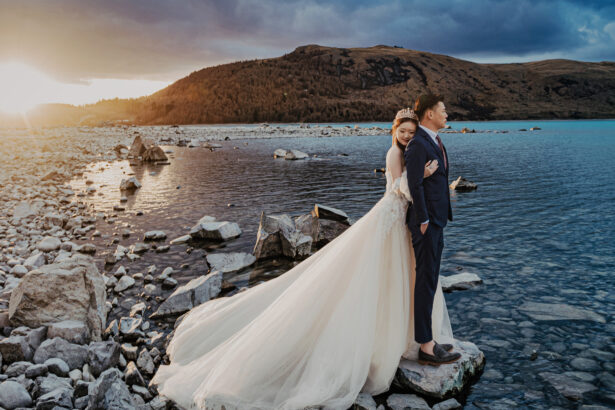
{"type": "Point", "coordinates": [333, 326]}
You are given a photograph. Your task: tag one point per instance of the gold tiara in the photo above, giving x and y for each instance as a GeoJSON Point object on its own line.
{"type": "Point", "coordinates": [406, 113]}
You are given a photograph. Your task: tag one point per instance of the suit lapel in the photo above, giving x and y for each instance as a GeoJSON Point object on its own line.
{"type": "Point", "coordinates": [433, 144]}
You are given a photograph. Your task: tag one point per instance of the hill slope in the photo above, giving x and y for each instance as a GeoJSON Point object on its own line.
{"type": "Point", "coordinates": [324, 84]}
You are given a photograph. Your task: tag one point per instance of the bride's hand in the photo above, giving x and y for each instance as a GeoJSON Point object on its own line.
{"type": "Point", "coordinates": [430, 168]}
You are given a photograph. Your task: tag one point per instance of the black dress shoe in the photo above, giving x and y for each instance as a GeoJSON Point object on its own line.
{"type": "Point", "coordinates": [445, 346]}
{"type": "Point", "coordinates": [440, 356]}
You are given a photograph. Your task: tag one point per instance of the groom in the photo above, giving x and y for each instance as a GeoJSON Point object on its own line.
{"type": "Point", "coordinates": [426, 218]}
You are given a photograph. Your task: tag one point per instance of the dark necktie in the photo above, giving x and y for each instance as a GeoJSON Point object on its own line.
{"type": "Point", "coordinates": [442, 149]}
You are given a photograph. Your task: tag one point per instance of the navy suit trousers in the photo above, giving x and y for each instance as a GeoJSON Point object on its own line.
{"type": "Point", "coordinates": [428, 253]}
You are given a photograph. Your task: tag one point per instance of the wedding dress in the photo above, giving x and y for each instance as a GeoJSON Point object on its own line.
{"type": "Point", "coordinates": [333, 326]}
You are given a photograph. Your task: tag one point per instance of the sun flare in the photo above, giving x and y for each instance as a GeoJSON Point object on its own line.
{"type": "Point", "coordinates": [22, 87]}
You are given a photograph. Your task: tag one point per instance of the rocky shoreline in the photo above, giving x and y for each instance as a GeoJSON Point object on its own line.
{"type": "Point", "coordinates": [61, 345]}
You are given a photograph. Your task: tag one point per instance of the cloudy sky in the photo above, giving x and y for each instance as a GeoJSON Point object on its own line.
{"type": "Point", "coordinates": [158, 41]}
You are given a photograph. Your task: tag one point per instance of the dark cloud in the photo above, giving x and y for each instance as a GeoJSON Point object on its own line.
{"type": "Point", "coordinates": [163, 40]}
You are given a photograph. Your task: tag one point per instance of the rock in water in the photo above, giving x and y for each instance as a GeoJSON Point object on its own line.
{"type": "Point", "coordinates": [332, 214]}
{"type": "Point", "coordinates": [147, 150]}
{"type": "Point", "coordinates": [155, 235]}
{"type": "Point", "coordinates": [463, 185]}
{"type": "Point", "coordinates": [129, 184]}
{"type": "Point", "coordinates": [294, 154]}
{"type": "Point", "coordinates": [279, 153]}
{"type": "Point", "coordinates": [72, 289]}
{"type": "Point", "coordinates": [460, 281]}
{"type": "Point", "coordinates": [567, 387]}
{"type": "Point", "coordinates": [192, 294]}
{"type": "Point", "coordinates": [443, 381]}
{"type": "Point", "coordinates": [268, 242]}
{"type": "Point", "coordinates": [230, 262]}
{"type": "Point", "coordinates": [218, 231]}
{"type": "Point", "coordinates": [558, 311]}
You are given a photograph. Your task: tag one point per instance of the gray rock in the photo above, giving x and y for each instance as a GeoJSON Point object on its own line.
{"type": "Point", "coordinates": [294, 154]}
{"type": "Point", "coordinates": [442, 381]}
{"type": "Point", "coordinates": [48, 244]}
{"type": "Point", "coordinates": [130, 327]}
{"type": "Point", "coordinates": [109, 392]}
{"type": "Point", "coordinates": [154, 235]}
{"type": "Point", "coordinates": [14, 395]}
{"type": "Point", "coordinates": [216, 230]}
{"type": "Point", "coordinates": [61, 397]}
{"type": "Point", "coordinates": [159, 403]}
{"type": "Point", "coordinates": [129, 184]}
{"type": "Point", "coordinates": [73, 354]}
{"type": "Point", "coordinates": [36, 370]}
{"type": "Point", "coordinates": [230, 262]}
{"type": "Point", "coordinates": [16, 369]}
{"type": "Point", "coordinates": [52, 382]}
{"type": "Point", "coordinates": [124, 283]}
{"type": "Point", "coordinates": [559, 311]}
{"type": "Point", "coordinates": [463, 185]}
{"type": "Point", "coordinates": [268, 241]}
{"type": "Point", "coordinates": [295, 244]}
{"type": "Point", "coordinates": [19, 270]}
{"type": "Point", "coordinates": [449, 404]}
{"type": "Point", "coordinates": [329, 230]}
{"type": "Point", "coordinates": [69, 290]}
{"type": "Point", "coordinates": [331, 214]}
{"type": "Point", "coordinates": [86, 248]}
{"type": "Point", "coordinates": [192, 294]}
{"type": "Point", "coordinates": [73, 331]}
{"type": "Point", "coordinates": [566, 386]}
{"type": "Point", "coordinates": [57, 366]}
{"type": "Point", "coordinates": [139, 247]}
{"type": "Point", "coordinates": [364, 401]}
{"type": "Point", "coordinates": [15, 348]}
{"type": "Point", "coordinates": [460, 281]}
{"type": "Point", "coordinates": [583, 364]}
{"type": "Point", "coordinates": [103, 355]}
{"type": "Point", "coordinates": [279, 153]}
{"type": "Point", "coordinates": [181, 239]}
{"type": "Point", "coordinates": [145, 362]}
{"type": "Point", "coordinates": [132, 375]}
{"type": "Point", "coordinates": [129, 351]}
{"type": "Point", "coordinates": [35, 261]}
{"type": "Point", "coordinates": [407, 402]}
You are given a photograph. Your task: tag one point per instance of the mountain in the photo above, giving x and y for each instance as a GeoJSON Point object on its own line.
{"type": "Point", "coordinates": [324, 84]}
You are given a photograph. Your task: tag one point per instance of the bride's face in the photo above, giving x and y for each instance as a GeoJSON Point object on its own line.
{"type": "Point", "coordinates": [405, 132]}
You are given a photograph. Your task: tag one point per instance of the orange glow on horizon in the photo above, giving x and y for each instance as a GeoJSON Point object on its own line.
{"type": "Point", "coordinates": [22, 87]}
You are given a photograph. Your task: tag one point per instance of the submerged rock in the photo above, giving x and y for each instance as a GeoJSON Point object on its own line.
{"type": "Point", "coordinates": [463, 185]}
{"type": "Point", "coordinates": [442, 381]}
{"type": "Point", "coordinates": [559, 311]}
{"type": "Point", "coordinates": [570, 388]}
{"type": "Point", "coordinates": [460, 281]}
{"type": "Point", "coordinates": [294, 154]}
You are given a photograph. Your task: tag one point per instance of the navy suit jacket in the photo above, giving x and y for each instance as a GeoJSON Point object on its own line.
{"type": "Point", "coordinates": [430, 196]}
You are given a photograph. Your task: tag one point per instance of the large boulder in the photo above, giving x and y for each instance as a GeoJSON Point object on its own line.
{"type": "Point", "coordinates": [72, 289]}
{"type": "Point", "coordinates": [147, 150]}
{"type": "Point", "coordinates": [268, 241]}
{"type": "Point", "coordinates": [330, 213]}
{"type": "Point", "coordinates": [73, 354]}
{"type": "Point", "coordinates": [442, 381]}
{"type": "Point", "coordinates": [192, 294]}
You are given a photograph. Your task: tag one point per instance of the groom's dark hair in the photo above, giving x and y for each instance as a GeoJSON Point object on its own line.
{"type": "Point", "coordinates": [426, 102]}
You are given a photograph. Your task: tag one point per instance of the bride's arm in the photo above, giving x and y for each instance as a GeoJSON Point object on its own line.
{"type": "Point", "coordinates": [395, 163]}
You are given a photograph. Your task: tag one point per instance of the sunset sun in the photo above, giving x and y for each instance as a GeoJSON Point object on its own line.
{"type": "Point", "coordinates": [23, 87]}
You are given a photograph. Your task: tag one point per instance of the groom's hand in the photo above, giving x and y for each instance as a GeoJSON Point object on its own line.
{"type": "Point", "coordinates": [424, 228]}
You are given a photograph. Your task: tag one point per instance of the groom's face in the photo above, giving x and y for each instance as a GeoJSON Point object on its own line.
{"type": "Point", "coordinates": [439, 115]}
